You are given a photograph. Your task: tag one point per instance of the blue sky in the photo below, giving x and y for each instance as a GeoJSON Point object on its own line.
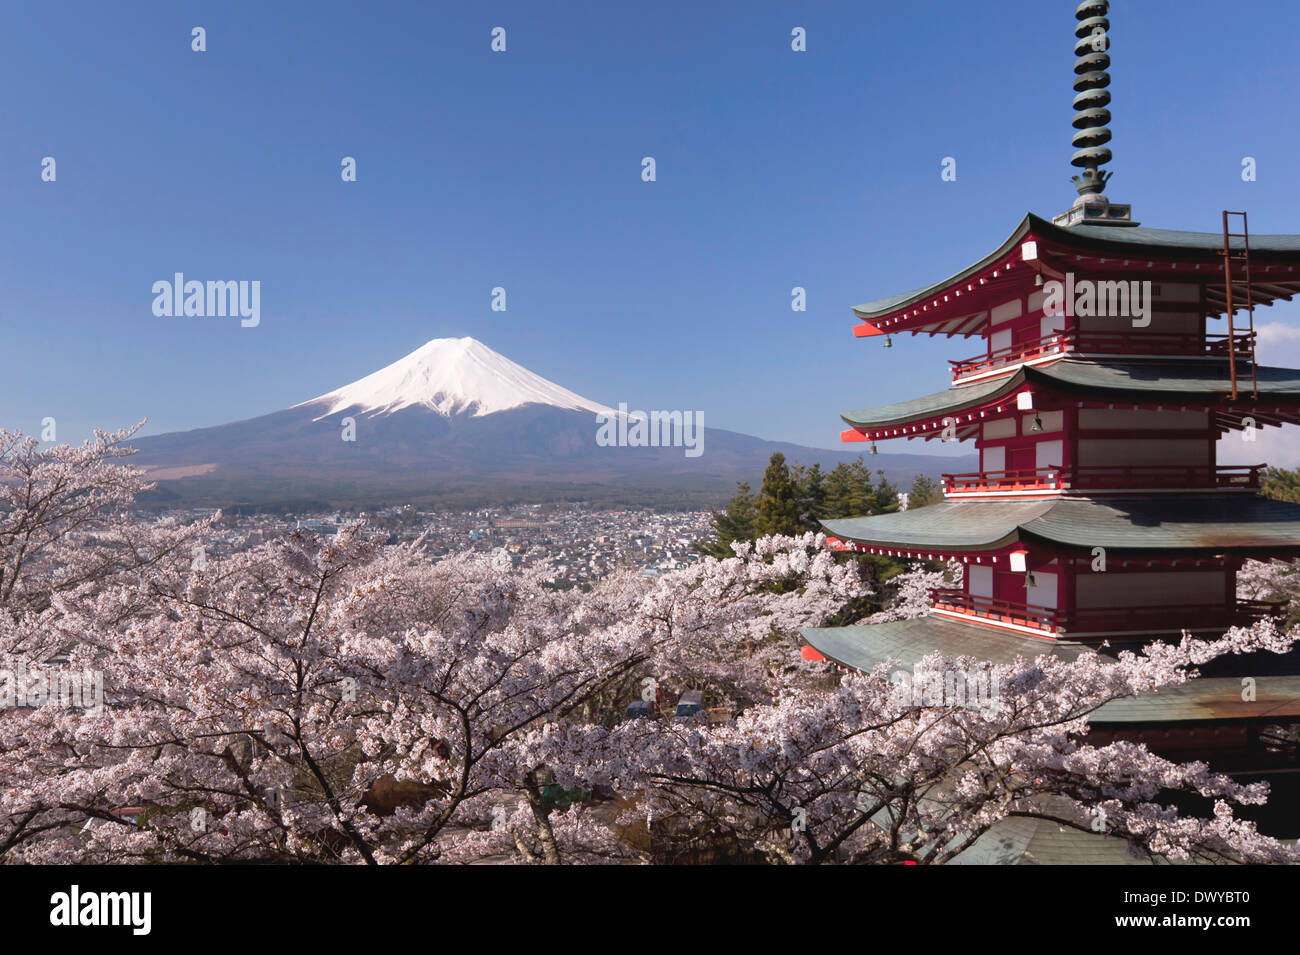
{"type": "Point", "coordinates": [522, 170]}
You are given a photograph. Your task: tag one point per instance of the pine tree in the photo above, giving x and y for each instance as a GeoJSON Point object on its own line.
{"type": "Point", "coordinates": [735, 522]}
{"type": "Point", "coordinates": [860, 499]}
{"type": "Point", "coordinates": [1281, 484]}
{"type": "Point", "coordinates": [835, 493]}
{"type": "Point", "coordinates": [778, 505]}
{"type": "Point", "coordinates": [924, 491]}
{"type": "Point", "coordinates": [883, 499]}
{"type": "Point", "coordinates": [810, 486]}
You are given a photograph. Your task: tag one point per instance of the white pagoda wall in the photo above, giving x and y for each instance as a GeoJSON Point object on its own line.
{"type": "Point", "coordinates": [1131, 446]}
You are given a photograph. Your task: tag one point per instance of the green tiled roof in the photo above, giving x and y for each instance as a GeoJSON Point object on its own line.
{"type": "Point", "coordinates": [866, 646]}
{"type": "Point", "coordinates": [953, 399]}
{"type": "Point", "coordinates": [1190, 379]}
{"type": "Point", "coordinates": [1207, 698]}
{"type": "Point", "coordinates": [1189, 522]}
{"type": "Point", "coordinates": [1184, 380]}
{"type": "Point", "coordinates": [883, 306]}
{"type": "Point", "coordinates": [1137, 239]}
{"type": "Point", "coordinates": [1021, 841]}
{"type": "Point", "coordinates": [953, 525]}
{"type": "Point", "coordinates": [1145, 239]}
{"type": "Point", "coordinates": [1205, 522]}
{"type": "Point", "coordinates": [905, 642]}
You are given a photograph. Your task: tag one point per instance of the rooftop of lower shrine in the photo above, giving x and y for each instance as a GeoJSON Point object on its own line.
{"type": "Point", "coordinates": [904, 643]}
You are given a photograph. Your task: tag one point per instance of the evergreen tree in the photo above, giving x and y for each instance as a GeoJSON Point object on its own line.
{"type": "Point", "coordinates": [778, 505]}
{"type": "Point", "coordinates": [1282, 485]}
{"type": "Point", "coordinates": [883, 499]}
{"type": "Point", "coordinates": [735, 522]}
{"type": "Point", "coordinates": [810, 486]}
{"type": "Point", "coordinates": [835, 493]}
{"type": "Point", "coordinates": [924, 491]}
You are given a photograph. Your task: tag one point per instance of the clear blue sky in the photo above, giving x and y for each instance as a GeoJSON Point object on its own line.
{"type": "Point", "coordinates": [522, 170]}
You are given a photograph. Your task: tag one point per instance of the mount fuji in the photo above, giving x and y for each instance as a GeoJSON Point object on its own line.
{"type": "Point", "coordinates": [452, 376]}
{"type": "Point", "coordinates": [457, 423]}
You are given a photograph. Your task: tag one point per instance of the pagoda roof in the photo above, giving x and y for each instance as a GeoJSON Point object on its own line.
{"type": "Point", "coordinates": [1197, 381]}
{"type": "Point", "coordinates": [1021, 840]}
{"type": "Point", "coordinates": [1185, 523]}
{"type": "Point", "coordinates": [1207, 698]}
{"type": "Point", "coordinates": [1199, 253]}
{"type": "Point", "coordinates": [906, 642]}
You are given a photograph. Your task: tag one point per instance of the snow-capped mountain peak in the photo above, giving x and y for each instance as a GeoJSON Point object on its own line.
{"type": "Point", "coordinates": [452, 376]}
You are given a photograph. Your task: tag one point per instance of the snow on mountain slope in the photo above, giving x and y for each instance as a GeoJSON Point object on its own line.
{"type": "Point", "coordinates": [451, 376]}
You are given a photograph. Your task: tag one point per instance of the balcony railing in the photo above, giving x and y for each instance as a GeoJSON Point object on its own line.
{"type": "Point", "coordinates": [1001, 611]}
{"type": "Point", "coordinates": [1104, 477]}
{"type": "Point", "coordinates": [1023, 479]}
{"type": "Point", "coordinates": [1108, 343]}
{"type": "Point", "coordinates": [1106, 619]}
{"type": "Point", "coordinates": [1055, 344]}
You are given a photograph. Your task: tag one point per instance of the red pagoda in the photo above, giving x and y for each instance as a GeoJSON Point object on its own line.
{"type": "Point", "coordinates": [1114, 362]}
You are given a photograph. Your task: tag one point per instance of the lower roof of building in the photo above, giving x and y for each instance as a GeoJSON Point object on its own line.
{"type": "Point", "coordinates": [1020, 840]}
{"type": "Point", "coordinates": [904, 643]}
{"type": "Point", "coordinates": [1188, 523]}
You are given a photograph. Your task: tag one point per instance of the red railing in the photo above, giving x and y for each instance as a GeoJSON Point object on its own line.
{"type": "Point", "coordinates": [1054, 344]}
{"type": "Point", "coordinates": [1106, 618]}
{"type": "Point", "coordinates": [1018, 480]}
{"type": "Point", "coordinates": [1107, 343]}
{"type": "Point", "coordinates": [1004, 611]}
{"type": "Point", "coordinates": [1166, 476]}
{"type": "Point", "coordinates": [1098, 477]}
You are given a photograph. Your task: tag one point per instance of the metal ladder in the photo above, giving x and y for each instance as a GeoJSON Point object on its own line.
{"type": "Point", "coordinates": [1243, 257]}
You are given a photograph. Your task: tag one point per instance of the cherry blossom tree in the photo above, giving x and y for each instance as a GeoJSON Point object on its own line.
{"type": "Point", "coordinates": [65, 536]}
{"type": "Point", "coordinates": [337, 701]}
{"type": "Point", "coordinates": [340, 701]}
{"type": "Point", "coordinates": [63, 525]}
{"type": "Point", "coordinates": [1271, 580]}
{"type": "Point", "coordinates": [870, 773]}
{"type": "Point", "coordinates": [912, 588]}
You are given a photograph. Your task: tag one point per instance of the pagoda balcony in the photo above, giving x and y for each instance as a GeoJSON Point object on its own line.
{"type": "Point", "coordinates": [1107, 478]}
{"type": "Point", "coordinates": [1074, 342]}
{"type": "Point", "coordinates": [1106, 619]}
{"type": "Point", "coordinates": [995, 611]}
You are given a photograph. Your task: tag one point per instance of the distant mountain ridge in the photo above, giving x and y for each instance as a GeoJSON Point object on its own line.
{"type": "Point", "coordinates": [456, 422]}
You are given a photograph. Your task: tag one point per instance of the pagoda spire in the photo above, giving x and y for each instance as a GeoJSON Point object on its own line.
{"type": "Point", "coordinates": [1092, 43]}
{"type": "Point", "coordinates": [1091, 80]}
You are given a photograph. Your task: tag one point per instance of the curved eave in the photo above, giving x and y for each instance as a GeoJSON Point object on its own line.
{"type": "Point", "coordinates": [1137, 242]}
{"type": "Point", "coordinates": [904, 643]}
{"type": "Point", "coordinates": [885, 307]}
{"type": "Point", "coordinates": [956, 398]}
{"type": "Point", "coordinates": [1193, 383]}
{"type": "Point", "coordinates": [1185, 524]}
{"type": "Point", "coordinates": [943, 528]}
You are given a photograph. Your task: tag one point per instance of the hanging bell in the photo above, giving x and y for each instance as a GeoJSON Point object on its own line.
{"type": "Point", "coordinates": [888, 342]}
{"type": "Point", "coordinates": [873, 448]}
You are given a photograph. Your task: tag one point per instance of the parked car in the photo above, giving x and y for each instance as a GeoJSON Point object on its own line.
{"type": "Point", "coordinates": [689, 703]}
{"type": "Point", "coordinates": [638, 710]}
